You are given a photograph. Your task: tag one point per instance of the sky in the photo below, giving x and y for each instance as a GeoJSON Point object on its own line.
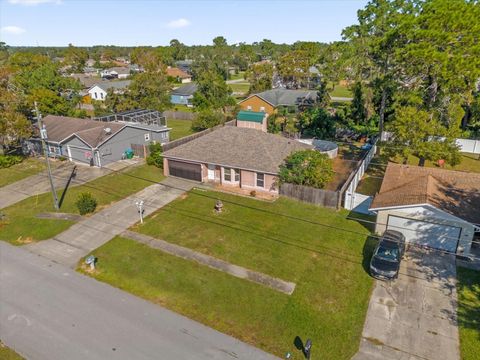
{"type": "Point", "coordinates": [156, 22]}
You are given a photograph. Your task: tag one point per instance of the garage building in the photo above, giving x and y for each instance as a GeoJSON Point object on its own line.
{"type": "Point", "coordinates": [432, 207]}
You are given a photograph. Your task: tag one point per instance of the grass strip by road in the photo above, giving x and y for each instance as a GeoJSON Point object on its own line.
{"type": "Point", "coordinates": [468, 288]}
{"type": "Point", "coordinates": [8, 354]}
{"type": "Point", "coordinates": [21, 226]}
{"type": "Point", "coordinates": [332, 293]}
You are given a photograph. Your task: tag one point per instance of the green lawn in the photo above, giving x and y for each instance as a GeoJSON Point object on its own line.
{"type": "Point", "coordinates": [340, 91]}
{"type": "Point", "coordinates": [468, 288]}
{"type": "Point", "coordinates": [21, 225]}
{"type": "Point", "coordinates": [333, 289]}
{"type": "Point", "coordinates": [238, 76]}
{"type": "Point", "coordinates": [183, 108]}
{"type": "Point", "coordinates": [28, 167]}
{"type": "Point", "coordinates": [8, 354]}
{"type": "Point", "coordinates": [180, 128]}
{"type": "Point", "coordinates": [240, 87]}
{"type": "Point", "coordinates": [372, 179]}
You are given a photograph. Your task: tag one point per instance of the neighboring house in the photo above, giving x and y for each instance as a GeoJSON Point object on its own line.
{"type": "Point", "coordinates": [232, 157]}
{"type": "Point", "coordinates": [99, 143]}
{"type": "Point", "coordinates": [184, 94]}
{"type": "Point", "coordinates": [100, 89]}
{"type": "Point", "coordinates": [179, 75]}
{"type": "Point", "coordinates": [117, 72]}
{"type": "Point", "coordinates": [432, 207]}
{"type": "Point", "coordinates": [271, 100]}
{"type": "Point", "coordinates": [314, 77]}
{"type": "Point", "coordinates": [90, 71]}
{"type": "Point", "coordinates": [184, 65]}
{"type": "Point", "coordinates": [252, 120]}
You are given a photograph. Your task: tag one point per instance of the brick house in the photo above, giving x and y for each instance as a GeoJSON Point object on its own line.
{"type": "Point", "coordinates": [238, 157]}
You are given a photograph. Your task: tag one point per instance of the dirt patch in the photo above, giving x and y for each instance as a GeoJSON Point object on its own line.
{"type": "Point", "coordinates": [375, 341]}
{"type": "Point", "coordinates": [24, 241]}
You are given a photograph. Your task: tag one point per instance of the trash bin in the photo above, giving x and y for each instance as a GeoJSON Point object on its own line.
{"type": "Point", "coordinates": [129, 153]}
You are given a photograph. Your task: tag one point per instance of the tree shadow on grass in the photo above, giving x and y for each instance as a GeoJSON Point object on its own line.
{"type": "Point", "coordinates": [368, 248]}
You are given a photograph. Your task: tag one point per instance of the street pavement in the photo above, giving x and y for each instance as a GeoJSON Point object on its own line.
{"type": "Point", "coordinates": [80, 239]}
{"type": "Point", "coordinates": [50, 312]}
{"type": "Point", "coordinates": [415, 316]}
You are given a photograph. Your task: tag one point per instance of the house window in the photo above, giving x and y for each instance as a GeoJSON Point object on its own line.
{"type": "Point", "coordinates": [96, 97]}
{"type": "Point", "coordinates": [262, 108]}
{"type": "Point", "coordinates": [227, 174]}
{"type": "Point", "coordinates": [237, 175]}
{"type": "Point", "coordinates": [249, 107]}
{"type": "Point", "coordinates": [147, 137]}
{"type": "Point", "coordinates": [260, 180]}
{"type": "Point", "coordinates": [101, 95]}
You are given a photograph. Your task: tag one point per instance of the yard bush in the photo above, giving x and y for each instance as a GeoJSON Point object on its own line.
{"type": "Point", "coordinates": [9, 160]}
{"type": "Point", "coordinates": [155, 157]}
{"type": "Point", "coordinates": [207, 119]}
{"type": "Point", "coordinates": [86, 203]}
{"type": "Point", "coordinates": [307, 167]}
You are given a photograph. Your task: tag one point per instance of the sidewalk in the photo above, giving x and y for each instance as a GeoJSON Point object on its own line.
{"type": "Point", "coordinates": [94, 231]}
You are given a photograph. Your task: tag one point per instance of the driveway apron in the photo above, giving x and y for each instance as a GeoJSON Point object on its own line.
{"type": "Point", "coordinates": [415, 316]}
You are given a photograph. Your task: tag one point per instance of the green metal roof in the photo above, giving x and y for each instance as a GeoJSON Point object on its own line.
{"type": "Point", "coordinates": [252, 116]}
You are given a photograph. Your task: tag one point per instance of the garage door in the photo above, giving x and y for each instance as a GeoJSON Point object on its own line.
{"type": "Point", "coordinates": [425, 233]}
{"type": "Point", "coordinates": [185, 170]}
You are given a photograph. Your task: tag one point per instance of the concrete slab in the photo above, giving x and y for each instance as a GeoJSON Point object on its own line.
{"type": "Point", "coordinates": [414, 317]}
{"type": "Point", "coordinates": [88, 234]}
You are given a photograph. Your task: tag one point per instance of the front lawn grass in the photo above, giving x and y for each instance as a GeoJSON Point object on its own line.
{"type": "Point", "coordinates": [21, 225]}
{"type": "Point", "coordinates": [8, 354]}
{"type": "Point", "coordinates": [240, 87]}
{"type": "Point", "coordinates": [340, 91]}
{"type": "Point", "coordinates": [28, 167]}
{"type": "Point", "coordinates": [180, 128]}
{"type": "Point", "coordinates": [468, 287]}
{"type": "Point", "coordinates": [328, 265]}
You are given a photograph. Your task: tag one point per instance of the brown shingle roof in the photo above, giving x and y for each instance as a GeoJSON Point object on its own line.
{"type": "Point", "coordinates": [238, 148]}
{"type": "Point", "coordinates": [61, 127]}
{"type": "Point", "coordinates": [176, 72]}
{"type": "Point", "coordinates": [455, 192]}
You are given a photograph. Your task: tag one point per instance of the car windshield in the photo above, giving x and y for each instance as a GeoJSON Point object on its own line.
{"type": "Point", "coordinates": [387, 253]}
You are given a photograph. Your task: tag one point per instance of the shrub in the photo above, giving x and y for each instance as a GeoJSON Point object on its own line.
{"type": "Point", "coordinates": [86, 203]}
{"type": "Point", "coordinates": [9, 160]}
{"type": "Point", "coordinates": [155, 158]}
{"type": "Point", "coordinates": [307, 167]}
{"type": "Point", "coordinates": [207, 119]}
{"type": "Point", "coordinates": [253, 193]}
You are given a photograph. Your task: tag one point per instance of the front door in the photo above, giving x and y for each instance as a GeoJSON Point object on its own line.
{"type": "Point", "coordinates": [211, 172]}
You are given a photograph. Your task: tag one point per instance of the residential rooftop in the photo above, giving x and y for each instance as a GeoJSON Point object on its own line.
{"type": "Point", "coordinates": [242, 148]}
{"type": "Point", "coordinates": [455, 192]}
{"type": "Point", "coordinates": [285, 97]}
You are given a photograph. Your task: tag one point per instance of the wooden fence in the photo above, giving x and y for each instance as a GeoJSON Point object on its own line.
{"type": "Point", "coordinates": [173, 144]}
{"type": "Point", "coordinates": [179, 115]}
{"type": "Point", "coordinates": [326, 198]}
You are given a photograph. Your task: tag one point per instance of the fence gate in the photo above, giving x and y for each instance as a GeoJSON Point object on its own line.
{"type": "Point", "coordinates": [140, 150]}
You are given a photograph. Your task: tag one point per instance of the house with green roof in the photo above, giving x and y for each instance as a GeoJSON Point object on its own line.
{"type": "Point", "coordinates": [252, 120]}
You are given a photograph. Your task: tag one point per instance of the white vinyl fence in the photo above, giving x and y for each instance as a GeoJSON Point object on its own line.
{"type": "Point", "coordinates": [466, 145]}
{"type": "Point", "coordinates": [352, 200]}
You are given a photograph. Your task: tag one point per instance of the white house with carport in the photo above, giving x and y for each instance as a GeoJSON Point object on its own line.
{"type": "Point", "coordinates": [432, 207]}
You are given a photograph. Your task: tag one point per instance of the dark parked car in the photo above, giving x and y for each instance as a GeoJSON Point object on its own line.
{"type": "Point", "coordinates": [387, 255]}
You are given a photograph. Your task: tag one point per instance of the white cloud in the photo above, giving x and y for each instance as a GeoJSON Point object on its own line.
{"type": "Point", "coordinates": [179, 23]}
{"type": "Point", "coordinates": [15, 30]}
{"type": "Point", "coordinates": [33, 2]}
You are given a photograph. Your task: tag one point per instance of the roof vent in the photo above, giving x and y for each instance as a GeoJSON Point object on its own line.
{"type": "Point", "coordinates": [108, 130]}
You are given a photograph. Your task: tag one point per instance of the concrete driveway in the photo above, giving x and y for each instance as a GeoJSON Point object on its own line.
{"type": "Point", "coordinates": [415, 316]}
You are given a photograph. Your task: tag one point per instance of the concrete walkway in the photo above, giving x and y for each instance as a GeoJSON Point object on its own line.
{"type": "Point", "coordinates": [214, 263]}
{"type": "Point", "coordinates": [48, 311]}
{"type": "Point", "coordinates": [94, 231]}
{"type": "Point", "coordinates": [415, 316]}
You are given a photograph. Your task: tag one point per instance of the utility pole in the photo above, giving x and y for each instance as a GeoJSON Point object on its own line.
{"type": "Point", "coordinates": [44, 137]}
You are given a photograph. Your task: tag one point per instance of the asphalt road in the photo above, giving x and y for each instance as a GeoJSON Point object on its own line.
{"type": "Point", "coordinates": [48, 311]}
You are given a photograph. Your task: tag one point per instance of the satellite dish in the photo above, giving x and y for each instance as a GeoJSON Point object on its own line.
{"type": "Point", "coordinates": [108, 130]}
